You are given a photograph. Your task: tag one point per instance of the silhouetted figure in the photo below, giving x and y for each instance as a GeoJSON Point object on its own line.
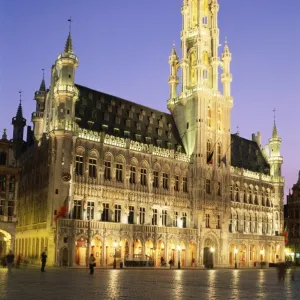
{"type": "Point", "coordinates": [10, 260]}
{"type": "Point", "coordinates": [92, 263]}
{"type": "Point", "coordinates": [44, 260]}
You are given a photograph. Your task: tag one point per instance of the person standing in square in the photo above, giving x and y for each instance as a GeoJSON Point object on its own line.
{"type": "Point", "coordinates": [44, 260]}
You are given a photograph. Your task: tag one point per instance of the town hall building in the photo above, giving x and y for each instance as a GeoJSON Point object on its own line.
{"type": "Point", "coordinates": [132, 184]}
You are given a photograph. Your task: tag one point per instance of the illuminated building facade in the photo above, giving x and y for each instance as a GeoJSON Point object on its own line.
{"type": "Point", "coordinates": [140, 184]}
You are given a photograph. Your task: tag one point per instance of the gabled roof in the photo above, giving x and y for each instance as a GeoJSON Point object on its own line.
{"type": "Point", "coordinates": [98, 111]}
{"type": "Point", "coordinates": [246, 154]}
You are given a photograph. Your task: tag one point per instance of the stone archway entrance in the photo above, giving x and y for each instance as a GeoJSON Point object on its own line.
{"type": "Point", "coordinates": [64, 257]}
{"type": "Point", "coordinates": [6, 242]}
{"type": "Point", "coordinates": [209, 252]}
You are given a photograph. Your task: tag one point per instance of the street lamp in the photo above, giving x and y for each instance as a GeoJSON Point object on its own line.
{"type": "Point", "coordinates": [235, 262]}
{"type": "Point", "coordinates": [115, 249]}
{"type": "Point", "coordinates": [212, 250]}
{"type": "Point", "coordinates": [178, 248]}
{"type": "Point", "coordinates": [261, 257]}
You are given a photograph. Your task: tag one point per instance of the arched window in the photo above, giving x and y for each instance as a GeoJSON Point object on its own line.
{"type": "Point", "coordinates": [208, 150]}
{"type": "Point", "coordinates": [263, 200]}
{"type": "Point", "coordinates": [250, 195]}
{"type": "Point", "coordinates": [237, 193]}
{"type": "Point", "coordinates": [268, 198]}
{"type": "Point", "coordinates": [255, 197]}
{"type": "Point", "coordinates": [219, 153]}
{"type": "Point", "coordinates": [245, 196]}
{"type": "Point", "coordinates": [209, 117]}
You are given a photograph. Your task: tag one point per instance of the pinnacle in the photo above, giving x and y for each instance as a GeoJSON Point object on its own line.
{"type": "Point", "coordinates": [42, 86]}
{"type": "Point", "coordinates": [4, 135]}
{"type": "Point", "coordinates": [274, 133]}
{"type": "Point", "coordinates": [68, 47]}
{"type": "Point", "coordinates": [19, 115]}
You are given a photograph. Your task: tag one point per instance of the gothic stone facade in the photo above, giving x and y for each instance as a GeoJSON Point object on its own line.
{"type": "Point", "coordinates": [142, 185]}
{"type": "Point", "coordinates": [9, 179]}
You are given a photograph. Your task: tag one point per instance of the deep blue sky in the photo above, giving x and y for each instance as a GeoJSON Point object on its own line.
{"type": "Point", "coordinates": [123, 48]}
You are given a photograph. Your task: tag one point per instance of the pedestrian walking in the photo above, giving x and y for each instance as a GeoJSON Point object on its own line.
{"type": "Point", "coordinates": [92, 263]}
{"type": "Point", "coordinates": [10, 260]}
{"type": "Point", "coordinates": [44, 260]}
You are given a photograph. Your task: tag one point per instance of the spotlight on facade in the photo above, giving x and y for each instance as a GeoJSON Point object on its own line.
{"type": "Point", "coordinates": [212, 250]}
{"type": "Point", "coordinates": [261, 257]}
{"type": "Point", "coordinates": [235, 261]}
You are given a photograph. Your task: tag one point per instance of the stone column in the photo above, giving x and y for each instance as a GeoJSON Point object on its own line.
{"type": "Point", "coordinates": [143, 251]}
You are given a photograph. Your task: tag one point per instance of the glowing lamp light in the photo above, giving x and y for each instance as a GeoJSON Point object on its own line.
{"type": "Point", "coordinates": [235, 251]}
{"type": "Point", "coordinates": [262, 251]}
{"type": "Point", "coordinates": [178, 248]}
{"type": "Point", "coordinates": [115, 244]}
{"type": "Point", "coordinates": [212, 249]}
{"type": "Point", "coordinates": [180, 223]}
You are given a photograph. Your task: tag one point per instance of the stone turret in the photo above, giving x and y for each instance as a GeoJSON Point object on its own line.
{"type": "Point", "coordinates": [18, 123]}
{"type": "Point", "coordinates": [37, 116]}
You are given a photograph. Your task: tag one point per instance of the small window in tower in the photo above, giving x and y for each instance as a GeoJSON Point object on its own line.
{"type": "Point", "coordinates": [205, 20]}
{"type": "Point", "coordinates": [205, 74]}
{"type": "Point", "coordinates": [187, 125]}
{"type": "Point", "coordinates": [68, 112]}
{"type": "Point", "coordinates": [70, 76]}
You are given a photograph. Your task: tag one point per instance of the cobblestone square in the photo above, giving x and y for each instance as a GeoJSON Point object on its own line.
{"type": "Point", "coordinates": [31, 284]}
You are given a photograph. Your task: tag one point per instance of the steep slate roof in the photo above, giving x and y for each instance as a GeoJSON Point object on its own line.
{"type": "Point", "coordinates": [246, 154]}
{"type": "Point", "coordinates": [95, 109]}
{"type": "Point", "coordinates": [98, 111]}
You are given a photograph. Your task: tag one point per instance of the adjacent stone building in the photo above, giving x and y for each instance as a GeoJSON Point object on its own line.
{"type": "Point", "coordinates": [293, 221]}
{"type": "Point", "coordinates": [9, 179]}
{"type": "Point", "coordinates": [139, 184]}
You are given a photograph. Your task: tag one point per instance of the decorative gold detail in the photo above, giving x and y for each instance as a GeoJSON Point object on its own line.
{"type": "Point", "coordinates": [66, 176]}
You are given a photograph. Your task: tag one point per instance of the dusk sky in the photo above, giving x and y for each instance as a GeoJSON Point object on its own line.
{"type": "Point", "coordinates": [123, 49]}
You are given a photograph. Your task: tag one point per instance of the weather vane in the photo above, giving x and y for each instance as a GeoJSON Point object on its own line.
{"type": "Point", "coordinates": [274, 111]}
{"type": "Point", "coordinates": [70, 24]}
{"type": "Point", "coordinates": [43, 70]}
{"type": "Point", "coordinates": [20, 92]}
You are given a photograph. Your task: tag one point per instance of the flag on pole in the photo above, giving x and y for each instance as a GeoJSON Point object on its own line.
{"type": "Point", "coordinates": [209, 159]}
{"type": "Point", "coordinates": [62, 212]}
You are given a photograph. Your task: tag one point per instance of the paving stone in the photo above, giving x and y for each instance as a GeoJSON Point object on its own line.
{"type": "Point", "coordinates": [56, 283]}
